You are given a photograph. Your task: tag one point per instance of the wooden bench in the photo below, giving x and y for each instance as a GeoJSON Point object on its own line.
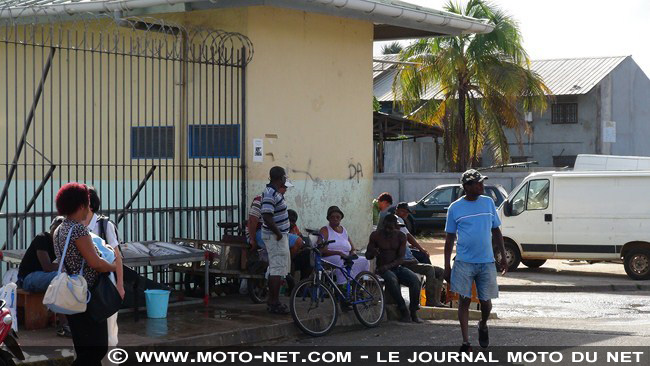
{"type": "Point", "coordinates": [32, 314]}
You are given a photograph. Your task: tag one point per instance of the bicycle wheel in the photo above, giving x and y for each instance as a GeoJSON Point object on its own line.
{"type": "Point", "coordinates": [368, 299]}
{"type": "Point", "coordinates": [313, 308]}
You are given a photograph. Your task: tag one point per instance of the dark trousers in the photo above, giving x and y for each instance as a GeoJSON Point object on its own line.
{"type": "Point", "coordinates": [400, 275]}
{"type": "Point", "coordinates": [301, 262]}
{"type": "Point", "coordinates": [421, 257]}
{"type": "Point", "coordinates": [90, 339]}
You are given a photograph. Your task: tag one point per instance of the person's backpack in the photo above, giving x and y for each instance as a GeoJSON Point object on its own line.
{"type": "Point", "coordinates": [103, 222]}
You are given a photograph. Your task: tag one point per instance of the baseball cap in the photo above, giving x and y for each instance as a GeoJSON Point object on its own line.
{"type": "Point", "coordinates": [404, 206]}
{"type": "Point", "coordinates": [472, 175]}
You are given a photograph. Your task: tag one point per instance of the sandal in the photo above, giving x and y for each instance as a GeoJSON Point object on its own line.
{"type": "Point", "coordinates": [278, 308]}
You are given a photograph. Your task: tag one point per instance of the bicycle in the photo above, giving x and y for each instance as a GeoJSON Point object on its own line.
{"type": "Point", "coordinates": [313, 302]}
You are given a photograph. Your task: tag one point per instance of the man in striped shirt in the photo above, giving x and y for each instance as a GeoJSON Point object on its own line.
{"type": "Point", "coordinates": [275, 233]}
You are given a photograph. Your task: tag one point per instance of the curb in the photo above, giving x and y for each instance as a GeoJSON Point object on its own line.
{"type": "Point", "coordinates": [250, 336]}
{"type": "Point", "coordinates": [578, 288]}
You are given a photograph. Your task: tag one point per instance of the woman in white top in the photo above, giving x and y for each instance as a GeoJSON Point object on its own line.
{"type": "Point", "coordinates": [341, 247]}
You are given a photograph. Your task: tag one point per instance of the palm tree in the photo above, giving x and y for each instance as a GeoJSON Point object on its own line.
{"type": "Point", "coordinates": [391, 48]}
{"type": "Point", "coordinates": [483, 83]}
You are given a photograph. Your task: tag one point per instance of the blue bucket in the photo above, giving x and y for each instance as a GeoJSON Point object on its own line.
{"type": "Point", "coordinates": [157, 301]}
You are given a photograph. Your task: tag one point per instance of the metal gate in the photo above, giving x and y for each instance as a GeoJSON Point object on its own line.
{"type": "Point", "coordinates": [152, 114]}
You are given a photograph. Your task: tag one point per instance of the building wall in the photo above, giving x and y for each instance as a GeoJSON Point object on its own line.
{"type": "Point", "coordinates": [309, 95]}
{"type": "Point", "coordinates": [630, 109]}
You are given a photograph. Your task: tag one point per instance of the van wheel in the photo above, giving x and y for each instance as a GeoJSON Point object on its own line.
{"type": "Point", "coordinates": [512, 255]}
{"type": "Point", "coordinates": [637, 264]}
{"type": "Point", "coordinates": [533, 263]}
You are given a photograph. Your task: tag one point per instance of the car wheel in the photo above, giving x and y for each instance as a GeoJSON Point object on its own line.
{"type": "Point", "coordinates": [637, 263]}
{"type": "Point", "coordinates": [533, 263]}
{"type": "Point", "coordinates": [512, 255]}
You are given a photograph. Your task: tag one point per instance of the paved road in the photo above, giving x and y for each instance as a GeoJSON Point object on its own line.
{"type": "Point", "coordinates": [525, 319]}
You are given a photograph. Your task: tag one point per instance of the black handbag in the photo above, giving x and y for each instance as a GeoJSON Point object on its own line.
{"type": "Point", "coordinates": [105, 300]}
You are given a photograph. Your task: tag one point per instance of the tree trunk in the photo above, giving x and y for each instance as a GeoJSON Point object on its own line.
{"type": "Point", "coordinates": [463, 141]}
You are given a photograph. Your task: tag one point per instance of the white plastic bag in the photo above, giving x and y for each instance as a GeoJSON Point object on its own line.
{"type": "Point", "coordinates": [243, 287]}
{"type": "Point", "coordinates": [9, 295]}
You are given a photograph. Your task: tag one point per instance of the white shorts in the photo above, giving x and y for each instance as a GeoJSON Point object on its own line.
{"type": "Point", "coordinates": [278, 252]}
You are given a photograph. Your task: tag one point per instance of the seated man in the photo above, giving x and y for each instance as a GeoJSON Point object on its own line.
{"type": "Point", "coordinates": [37, 269]}
{"type": "Point", "coordinates": [380, 208]}
{"type": "Point", "coordinates": [300, 258]}
{"type": "Point", "coordinates": [402, 211]}
{"type": "Point", "coordinates": [432, 274]}
{"type": "Point", "coordinates": [389, 246]}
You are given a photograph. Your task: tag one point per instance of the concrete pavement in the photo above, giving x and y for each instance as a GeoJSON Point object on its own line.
{"type": "Point", "coordinates": [554, 275]}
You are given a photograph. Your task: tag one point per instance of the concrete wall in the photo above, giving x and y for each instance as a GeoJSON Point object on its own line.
{"type": "Point", "coordinates": [630, 109]}
{"type": "Point", "coordinates": [309, 91]}
{"type": "Point", "coordinates": [412, 187]}
{"type": "Point", "coordinates": [308, 96]}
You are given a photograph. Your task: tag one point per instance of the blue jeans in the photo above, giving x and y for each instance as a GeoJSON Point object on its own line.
{"type": "Point", "coordinates": [38, 281]}
{"type": "Point", "coordinates": [484, 274]}
{"type": "Point", "coordinates": [397, 276]}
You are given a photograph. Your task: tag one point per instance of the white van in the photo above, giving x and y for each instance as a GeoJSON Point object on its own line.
{"type": "Point", "coordinates": [586, 215]}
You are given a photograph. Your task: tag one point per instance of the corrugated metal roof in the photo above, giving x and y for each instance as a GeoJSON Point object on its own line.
{"type": "Point", "coordinates": [379, 67]}
{"type": "Point", "coordinates": [574, 75]}
{"type": "Point", "coordinates": [568, 76]}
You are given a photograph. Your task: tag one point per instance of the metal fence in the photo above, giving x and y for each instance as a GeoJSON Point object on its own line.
{"type": "Point", "coordinates": [152, 114]}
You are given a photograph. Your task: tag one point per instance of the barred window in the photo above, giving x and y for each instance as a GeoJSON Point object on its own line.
{"type": "Point", "coordinates": [152, 142]}
{"type": "Point", "coordinates": [564, 113]}
{"type": "Point", "coordinates": [214, 141]}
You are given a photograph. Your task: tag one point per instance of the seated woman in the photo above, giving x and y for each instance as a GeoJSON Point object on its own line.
{"type": "Point", "coordinates": [341, 247]}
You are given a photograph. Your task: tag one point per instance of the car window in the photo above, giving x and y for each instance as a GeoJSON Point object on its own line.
{"type": "Point", "coordinates": [519, 201]}
{"type": "Point", "coordinates": [538, 194]}
{"type": "Point", "coordinates": [491, 192]}
{"type": "Point", "coordinates": [439, 197]}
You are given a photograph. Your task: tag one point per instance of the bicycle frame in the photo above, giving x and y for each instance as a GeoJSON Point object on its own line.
{"type": "Point", "coordinates": [319, 273]}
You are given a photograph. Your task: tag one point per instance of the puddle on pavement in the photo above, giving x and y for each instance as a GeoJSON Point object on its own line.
{"type": "Point", "coordinates": [156, 327]}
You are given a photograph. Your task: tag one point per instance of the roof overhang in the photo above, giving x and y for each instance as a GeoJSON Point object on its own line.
{"type": "Point", "coordinates": [387, 127]}
{"type": "Point", "coordinates": [391, 19]}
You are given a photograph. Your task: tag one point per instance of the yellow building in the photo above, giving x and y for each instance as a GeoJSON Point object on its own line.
{"type": "Point", "coordinates": [161, 104]}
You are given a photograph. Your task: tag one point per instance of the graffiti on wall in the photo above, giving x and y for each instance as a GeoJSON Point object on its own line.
{"type": "Point", "coordinates": [356, 171]}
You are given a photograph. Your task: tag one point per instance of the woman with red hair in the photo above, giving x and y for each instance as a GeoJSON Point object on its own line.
{"type": "Point", "coordinates": [90, 338]}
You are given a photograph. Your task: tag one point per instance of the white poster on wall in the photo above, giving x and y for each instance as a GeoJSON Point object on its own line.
{"type": "Point", "coordinates": [609, 131]}
{"type": "Point", "coordinates": [258, 150]}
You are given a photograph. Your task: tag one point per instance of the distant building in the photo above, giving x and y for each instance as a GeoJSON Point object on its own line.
{"type": "Point", "coordinates": [600, 105]}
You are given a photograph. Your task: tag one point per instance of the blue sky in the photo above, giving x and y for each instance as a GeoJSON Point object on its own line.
{"type": "Point", "coordinates": [577, 28]}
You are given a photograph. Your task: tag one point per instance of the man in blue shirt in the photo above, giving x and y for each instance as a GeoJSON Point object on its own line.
{"type": "Point", "coordinates": [473, 219]}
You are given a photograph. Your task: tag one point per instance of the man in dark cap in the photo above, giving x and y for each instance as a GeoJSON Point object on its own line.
{"type": "Point", "coordinates": [473, 219]}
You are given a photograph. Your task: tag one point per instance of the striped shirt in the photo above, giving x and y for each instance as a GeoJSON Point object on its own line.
{"type": "Point", "coordinates": [273, 203]}
{"type": "Point", "coordinates": [256, 211]}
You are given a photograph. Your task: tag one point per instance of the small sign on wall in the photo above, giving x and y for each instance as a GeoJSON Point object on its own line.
{"type": "Point", "coordinates": [609, 131]}
{"type": "Point", "coordinates": [258, 150]}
